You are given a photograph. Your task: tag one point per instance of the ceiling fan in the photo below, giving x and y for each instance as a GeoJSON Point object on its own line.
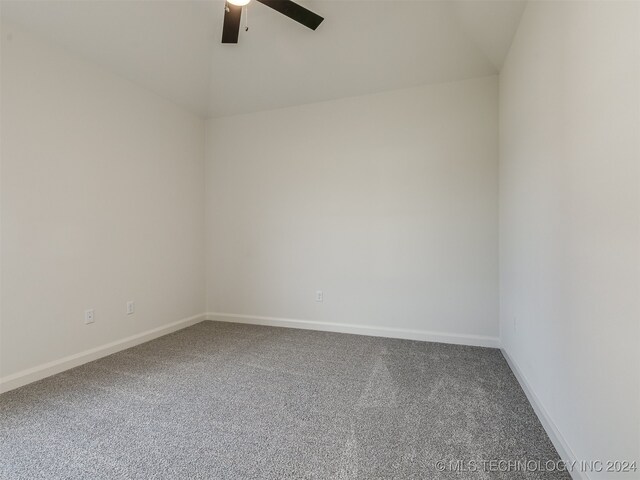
{"type": "Point", "coordinates": [233, 12]}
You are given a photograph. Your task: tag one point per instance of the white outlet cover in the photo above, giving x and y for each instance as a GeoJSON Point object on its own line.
{"type": "Point", "coordinates": [89, 316]}
{"type": "Point", "coordinates": [131, 308]}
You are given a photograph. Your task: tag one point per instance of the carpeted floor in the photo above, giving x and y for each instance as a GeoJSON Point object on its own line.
{"type": "Point", "coordinates": [222, 401]}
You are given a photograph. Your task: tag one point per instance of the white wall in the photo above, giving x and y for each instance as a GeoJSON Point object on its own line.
{"type": "Point", "coordinates": [387, 203]}
{"type": "Point", "coordinates": [570, 220]}
{"type": "Point", "coordinates": [102, 202]}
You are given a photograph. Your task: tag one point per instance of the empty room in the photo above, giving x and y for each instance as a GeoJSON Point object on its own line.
{"type": "Point", "coordinates": [319, 239]}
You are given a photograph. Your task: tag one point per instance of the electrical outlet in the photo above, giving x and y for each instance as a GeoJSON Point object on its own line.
{"type": "Point", "coordinates": [319, 296]}
{"type": "Point", "coordinates": [131, 308]}
{"type": "Point", "coordinates": [89, 316]}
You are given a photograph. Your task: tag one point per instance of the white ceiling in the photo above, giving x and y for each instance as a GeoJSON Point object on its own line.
{"type": "Point", "coordinates": [363, 46]}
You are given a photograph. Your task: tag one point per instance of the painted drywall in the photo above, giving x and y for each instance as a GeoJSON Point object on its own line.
{"type": "Point", "coordinates": [102, 202]}
{"type": "Point", "coordinates": [173, 46]}
{"type": "Point", "coordinates": [570, 220]}
{"type": "Point", "coordinates": [387, 203]}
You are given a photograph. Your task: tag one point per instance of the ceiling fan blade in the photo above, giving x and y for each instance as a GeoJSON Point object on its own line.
{"type": "Point", "coordinates": [231, 25]}
{"type": "Point", "coordinates": [295, 12]}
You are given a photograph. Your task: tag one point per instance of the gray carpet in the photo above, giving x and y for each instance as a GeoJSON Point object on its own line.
{"type": "Point", "coordinates": [230, 401]}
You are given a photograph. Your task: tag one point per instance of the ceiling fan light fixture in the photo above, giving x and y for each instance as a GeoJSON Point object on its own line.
{"type": "Point", "coordinates": [233, 13]}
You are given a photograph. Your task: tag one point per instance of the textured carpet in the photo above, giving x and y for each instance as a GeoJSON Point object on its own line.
{"type": "Point", "coordinates": [220, 400]}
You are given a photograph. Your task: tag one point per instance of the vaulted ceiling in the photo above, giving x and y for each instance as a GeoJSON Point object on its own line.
{"type": "Point", "coordinates": [363, 46]}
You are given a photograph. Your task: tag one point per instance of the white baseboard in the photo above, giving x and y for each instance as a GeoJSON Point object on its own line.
{"type": "Point", "coordinates": [559, 442]}
{"type": "Point", "coordinates": [422, 335]}
{"type": "Point", "coordinates": [30, 375]}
